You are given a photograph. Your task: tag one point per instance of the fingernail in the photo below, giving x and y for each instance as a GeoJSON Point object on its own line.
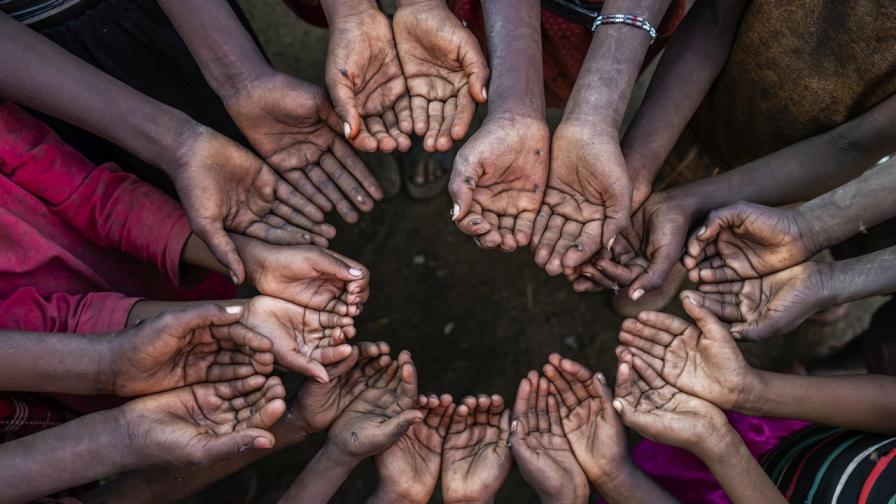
{"type": "Point", "coordinates": [513, 425]}
{"type": "Point", "coordinates": [235, 279]}
{"type": "Point", "coordinates": [690, 300]}
{"type": "Point", "coordinates": [263, 443]}
{"type": "Point", "coordinates": [233, 310]}
{"type": "Point", "coordinates": [455, 211]}
{"type": "Point", "coordinates": [485, 92]}
{"type": "Point", "coordinates": [601, 378]}
{"type": "Point", "coordinates": [355, 272]}
{"type": "Point", "coordinates": [617, 405]}
{"type": "Point", "coordinates": [476, 241]}
{"type": "Point", "coordinates": [306, 237]}
{"type": "Point", "coordinates": [701, 230]}
{"type": "Point", "coordinates": [346, 129]}
{"type": "Point", "coordinates": [242, 448]}
{"type": "Point", "coordinates": [579, 247]}
{"type": "Point", "coordinates": [610, 243]}
{"type": "Point", "coordinates": [637, 294]}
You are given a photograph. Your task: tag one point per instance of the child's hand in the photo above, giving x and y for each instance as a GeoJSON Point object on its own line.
{"type": "Point", "coordinates": [661, 412]}
{"type": "Point", "coordinates": [409, 469]}
{"type": "Point", "coordinates": [183, 346]}
{"type": "Point", "coordinates": [746, 241]}
{"type": "Point", "coordinates": [445, 71]}
{"type": "Point", "coordinates": [540, 447]}
{"type": "Point", "coordinates": [380, 415]}
{"type": "Point", "coordinates": [702, 360]}
{"type": "Point", "coordinates": [305, 340]}
{"type": "Point", "coordinates": [592, 427]}
{"type": "Point", "coordinates": [768, 306]}
{"type": "Point", "coordinates": [292, 124]}
{"type": "Point", "coordinates": [317, 404]}
{"type": "Point", "coordinates": [205, 423]}
{"type": "Point", "coordinates": [475, 458]}
{"type": "Point", "coordinates": [307, 275]}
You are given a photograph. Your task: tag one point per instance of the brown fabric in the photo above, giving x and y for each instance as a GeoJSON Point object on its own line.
{"type": "Point", "coordinates": [797, 68]}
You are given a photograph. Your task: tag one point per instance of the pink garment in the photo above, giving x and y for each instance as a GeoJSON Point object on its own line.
{"type": "Point", "coordinates": [684, 476]}
{"type": "Point", "coordinates": [81, 244]}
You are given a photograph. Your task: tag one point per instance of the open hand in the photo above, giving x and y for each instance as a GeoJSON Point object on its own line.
{"type": "Point", "coordinates": [409, 469]}
{"type": "Point", "coordinates": [745, 241]}
{"type": "Point", "coordinates": [770, 305]}
{"type": "Point", "coordinates": [317, 404]}
{"type": "Point", "coordinates": [293, 126]}
{"type": "Point", "coordinates": [305, 340]}
{"type": "Point", "coordinates": [184, 346]}
{"type": "Point", "coordinates": [308, 276]}
{"type": "Point", "coordinates": [475, 457]}
{"type": "Point", "coordinates": [540, 447]}
{"type": "Point", "coordinates": [587, 202]}
{"type": "Point", "coordinates": [661, 412]}
{"type": "Point", "coordinates": [205, 423]}
{"type": "Point", "coordinates": [365, 79]}
{"type": "Point", "coordinates": [498, 180]}
{"type": "Point", "coordinates": [702, 360]}
{"type": "Point", "coordinates": [591, 425]}
{"type": "Point", "coordinates": [224, 187]}
{"type": "Point", "coordinates": [381, 413]}
{"type": "Point", "coordinates": [445, 70]}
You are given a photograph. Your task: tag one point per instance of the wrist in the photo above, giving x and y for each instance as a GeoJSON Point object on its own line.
{"type": "Point", "coordinates": [385, 495]}
{"type": "Point", "coordinates": [720, 443]}
{"type": "Point", "coordinates": [119, 433]}
{"type": "Point", "coordinates": [108, 357]}
{"type": "Point", "coordinates": [621, 474]}
{"type": "Point", "coordinates": [334, 456]}
{"type": "Point", "coordinates": [816, 230]}
{"type": "Point", "coordinates": [751, 398]}
{"type": "Point", "coordinates": [338, 11]}
{"type": "Point", "coordinates": [415, 3]}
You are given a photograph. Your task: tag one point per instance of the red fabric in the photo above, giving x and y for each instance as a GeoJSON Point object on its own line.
{"type": "Point", "coordinates": [564, 43]}
{"type": "Point", "coordinates": [875, 474]}
{"type": "Point", "coordinates": [81, 244]}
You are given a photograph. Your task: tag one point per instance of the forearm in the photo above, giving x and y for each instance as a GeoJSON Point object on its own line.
{"type": "Point", "coordinates": [336, 10]}
{"type": "Point", "coordinates": [33, 71]}
{"type": "Point", "coordinates": [866, 201]}
{"type": "Point", "coordinates": [74, 453]}
{"type": "Point", "coordinates": [690, 64]}
{"type": "Point", "coordinates": [862, 277]}
{"type": "Point", "coordinates": [611, 67]}
{"type": "Point", "coordinates": [147, 308]}
{"type": "Point", "coordinates": [173, 483]}
{"type": "Point", "coordinates": [860, 402]}
{"type": "Point", "coordinates": [56, 363]}
{"type": "Point", "coordinates": [513, 30]}
{"type": "Point", "coordinates": [630, 485]}
{"type": "Point", "coordinates": [219, 43]}
{"type": "Point", "coordinates": [382, 495]}
{"type": "Point", "coordinates": [196, 253]}
{"type": "Point", "coordinates": [806, 169]}
{"type": "Point", "coordinates": [738, 473]}
{"type": "Point", "coordinates": [321, 478]}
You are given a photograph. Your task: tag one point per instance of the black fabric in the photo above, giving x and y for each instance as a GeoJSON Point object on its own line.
{"type": "Point", "coordinates": [133, 41]}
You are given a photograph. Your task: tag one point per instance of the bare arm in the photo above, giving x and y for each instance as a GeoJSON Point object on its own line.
{"type": "Point", "coordinates": [737, 471]}
{"type": "Point", "coordinates": [690, 64]}
{"type": "Point", "coordinates": [631, 485]}
{"type": "Point", "coordinates": [54, 362]}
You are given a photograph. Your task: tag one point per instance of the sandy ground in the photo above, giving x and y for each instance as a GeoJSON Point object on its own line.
{"type": "Point", "coordinates": [475, 321]}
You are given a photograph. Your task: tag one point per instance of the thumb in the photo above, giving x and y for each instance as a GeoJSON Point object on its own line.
{"type": "Point", "coordinates": [656, 274]}
{"type": "Point", "coordinates": [708, 323]}
{"type": "Point", "coordinates": [461, 186]}
{"type": "Point", "coordinates": [346, 106]}
{"type": "Point", "coordinates": [398, 425]}
{"type": "Point", "coordinates": [473, 61]}
{"type": "Point", "coordinates": [298, 363]}
{"type": "Point", "coordinates": [618, 220]}
{"type": "Point", "coordinates": [234, 443]}
{"type": "Point", "coordinates": [222, 246]}
{"type": "Point", "coordinates": [332, 264]}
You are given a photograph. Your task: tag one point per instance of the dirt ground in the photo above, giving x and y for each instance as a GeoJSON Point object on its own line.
{"type": "Point", "coordinates": [475, 321]}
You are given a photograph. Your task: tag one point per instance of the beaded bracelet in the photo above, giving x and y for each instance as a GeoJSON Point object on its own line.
{"type": "Point", "coordinates": [636, 21]}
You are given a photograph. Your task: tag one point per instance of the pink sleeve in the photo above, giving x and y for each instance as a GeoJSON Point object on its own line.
{"type": "Point", "coordinates": [111, 208]}
{"type": "Point", "coordinates": [93, 313]}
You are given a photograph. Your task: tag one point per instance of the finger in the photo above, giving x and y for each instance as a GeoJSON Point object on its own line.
{"type": "Point", "coordinates": [585, 246]}
{"type": "Point", "coordinates": [299, 179]}
{"type": "Point", "coordinates": [458, 421]}
{"type": "Point", "coordinates": [495, 409]}
{"type": "Point", "coordinates": [541, 406]}
{"type": "Point", "coordinates": [656, 363]}
{"type": "Point", "coordinates": [234, 389]}
{"type": "Point", "coordinates": [345, 103]}
{"type": "Point", "coordinates": [369, 349]}
{"type": "Point", "coordinates": [355, 165]}
{"type": "Point", "coordinates": [466, 110]}
{"type": "Point", "coordinates": [721, 305]}
{"type": "Point", "coordinates": [222, 247]}
{"type": "Point", "coordinates": [408, 385]}
{"type": "Point", "coordinates": [483, 402]}
{"type": "Point", "coordinates": [475, 66]}
{"type": "Point", "coordinates": [539, 226]}
{"type": "Point", "coordinates": [398, 425]}
{"type": "Point", "coordinates": [523, 227]}
{"type": "Point", "coordinates": [666, 324]}
{"type": "Point", "coordinates": [554, 416]}
{"type": "Point", "coordinates": [521, 402]}
{"type": "Point", "coordinates": [298, 363]}
{"type": "Point", "coordinates": [330, 263]}
{"type": "Point", "coordinates": [461, 185]}
{"type": "Point", "coordinates": [505, 228]}
{"type": "Point", "coordinates": [549, 239]}
{"type": "Point", "coordinates": [568, 234]}
{"type": "Point", "coordinates": [330, 319]}
{"type": "Point", "coordinates": [709, 325]}
{"type": "Point", "coordinates": [419, 106]}
{"type": "Point", "coordinates": [492, 238]}
{"type": "Point", "coordinates": [647, 373]}
{"type": "Point", "coordinates": [716, 275]}
{"type": "Point", "coordinates": [331, 354]}
{"type": "Point", "coordinates": [564, 391]}
{"type": "Point", "coordinates": [377, 128]}
{"type": "Point", "coordinates": [618, 208]}
{"type": "Point", "coordinates": [227, 372]}
{"type": "Point", "coordinates": [444, 141]}
{"type": "Point", "coordinates": [241, 336]}
{"type": "Point", "coordinates": [657, 271]}
{"type": "Point", "coordinates": [402, 110]}
{"type": "Point", "coordinates": [338, 369]}
{"type": "Point", "coordinates": [391, 121]}
{"type": "Point", "coordinates": [232, 444]}
{"type": "Point", "coordinates": [435, 110]}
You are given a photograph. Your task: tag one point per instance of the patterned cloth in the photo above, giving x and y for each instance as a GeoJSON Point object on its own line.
{"type": "Point", "coordinates": [23, 414]}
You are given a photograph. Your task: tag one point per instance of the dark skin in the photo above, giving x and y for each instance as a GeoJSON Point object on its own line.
{"type": "Point", "coordinates": [198, 424]}
{"type": "Point", "coordinates": [659, 411]}
{"type": "Point", "coordinates": [596, 434]}
{"type": "Point", "coordinates": [304, 340]}
{"type": "Point", "coordinates": [197, 344]}
{"type": "Point", "coordinates": [718, 372]}
{"type": "Point", "coordinates": [312, 410]}
{"type": "Point", "coordinates": [445, 70]}
{"type": "Point", "coordinates": [288, 121]}
{"type": "Point", "coordinates": [497, 185]}
{"type": "Point", "coordinates": [745, 241]}
{"type": "Point", "coordinates": [222, 186]}
{"type": "Point", "coordinates": [409, 469]}
{"type": "Point", "coordinates": [365, 79]}
{"type": "Point", "coordinates": [475, 457]}
{"type": "Point", "coordinates": [540, 447]}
